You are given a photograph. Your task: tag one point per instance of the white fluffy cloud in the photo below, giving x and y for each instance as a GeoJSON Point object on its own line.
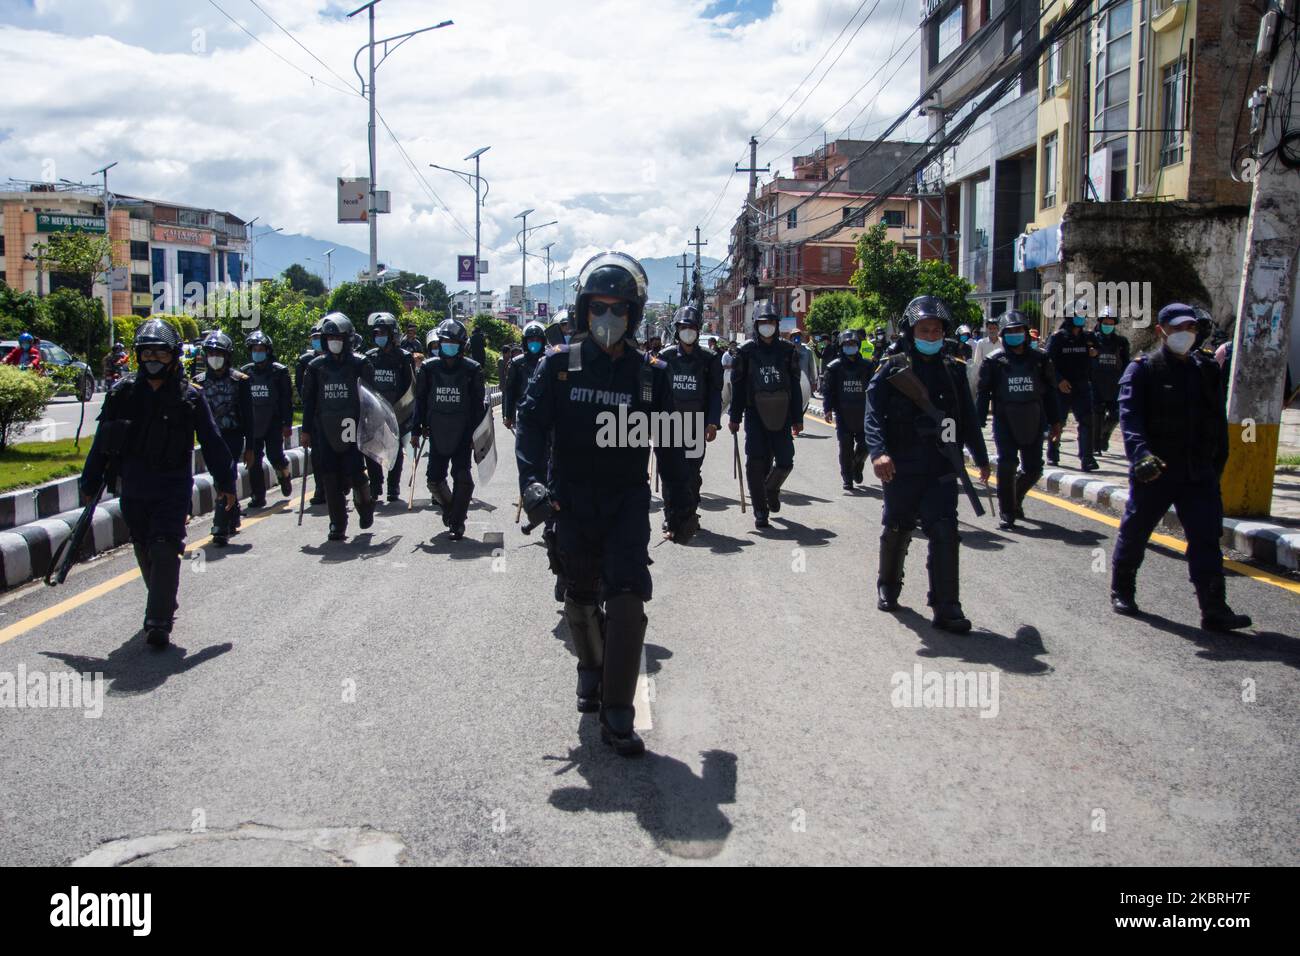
{"type": "Point", "coordinates": [619, 119]}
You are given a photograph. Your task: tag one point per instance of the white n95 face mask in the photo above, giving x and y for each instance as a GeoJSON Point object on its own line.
{"type": "Point", "coordinates": [1180, 343]}
{"type": "Point", "coordinates": [216, 361]}
{"type": "Point", "coordinates": [336, 346]}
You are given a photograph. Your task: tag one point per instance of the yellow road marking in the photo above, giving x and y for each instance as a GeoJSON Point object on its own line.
{"type": "Point", "coordinates": [33, 621]}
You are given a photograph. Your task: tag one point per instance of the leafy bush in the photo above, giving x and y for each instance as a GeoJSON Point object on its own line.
{"type": "Point", "coordinates": [23, 397]}
{"type": "Point", "coordinates": [493, 362]}
{"type": "Point", "coordinates": [357, 300]}
{"type": "Point", "coordinates": [833, 312]}
{"type": "Point", "coordinates": [496, 332]}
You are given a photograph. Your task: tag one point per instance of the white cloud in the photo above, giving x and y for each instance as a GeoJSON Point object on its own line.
{"type": "Point", "coordinates": [622, 120]}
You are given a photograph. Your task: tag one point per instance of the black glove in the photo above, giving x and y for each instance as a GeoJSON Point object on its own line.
{"type": "Point", "coordinates": [1148, 468]}
{"type": "Point", "coordinates": [537, 505]}
{"type": "Point", "coordinates": [682, 525]}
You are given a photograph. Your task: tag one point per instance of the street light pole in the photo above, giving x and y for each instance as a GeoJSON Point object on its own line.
{"type": "Point", "coordinates": [478, 220]}
{"type": "Point", "coordinates": [368, 88]}
{"type": "Point", "coordinates": [108, 273]}
{"type": "Point", "coordinates": [524, 234]}
{"type": "Point", "coordinates": [547, 250]}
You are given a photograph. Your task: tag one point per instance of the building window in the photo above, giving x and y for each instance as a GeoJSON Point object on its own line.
{"type": "Point", "coordinates": [831, 261]}
{"type": "Point", "coordinates": [139, 251]}
{"type": "Point", "coordinates": [853, 217]}
{"type": "Point", "coordinates": [1049, 170]}
{"type": "Point", "coordinates": [139, 282]}
{"type": "Point", "coordinates": [1052, 70]}
{"type": "Point", "coordinates": [792, 219]}
{"type": "Point", "coordinates": [950, 32]}
{"type": "Point", "coordinates": [1173, 99]}
{"type": "Point", "coordinates": [893, 218]}
{"type": "Point", "coordinates": [1113, 46]}
{"type": "Point", "coordinates": [235, 266]}
{"type": "Point", "coordinates": [159, 267]}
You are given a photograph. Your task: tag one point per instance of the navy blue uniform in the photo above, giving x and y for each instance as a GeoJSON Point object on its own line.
{"type": "Point", "coordinates": [1113, 355]}
{"type": "Point", "coordinates": [924, 483]}
{"type": "Point", "coordinates": [331, 413]}
{"type": "Point", "coordinates": [1069, 352]}
{"type": "Point", "coordinates": [695, 385]}
{"type": "Point", "coordinates": [518, 374]}
{"type": "Point", "coordinates": [1021, 388]}
{"type": "Point", "coordinates": [449, 404]}
{"type": "Point", "coordinates": [1174, 410]}
{"type": "Point", "coordinates": [231, 402]}
{"type": "Point", "coordinates": [394, 375]}
{"type": "Point", "coordinates": [766, 393]}
{"type": "Point", "coordinates": [154, 440]}
{"type": "Point", "coordinates": [844, 398]}
{"type": "Point", "coordinates": [272, 397]}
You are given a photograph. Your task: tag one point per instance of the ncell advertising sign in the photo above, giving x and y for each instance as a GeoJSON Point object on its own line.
{"type": "Point", "coordinates": [354, 196]}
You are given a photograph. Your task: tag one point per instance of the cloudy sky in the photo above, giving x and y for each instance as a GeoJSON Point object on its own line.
{"type": "Point", "coordinates": [620, 119]}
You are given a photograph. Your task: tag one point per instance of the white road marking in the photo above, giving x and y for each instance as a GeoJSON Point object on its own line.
{"type": "Point", "coordinates": [642, 698]}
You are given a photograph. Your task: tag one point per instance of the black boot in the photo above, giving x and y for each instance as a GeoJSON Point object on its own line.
{"type": "Point", "coordinates": [772, 487]}
{"type": "Point", "coordinates": [286, 483]}
{"type": "Point", "coordinates": [859, 463]}
{"type": "Point", "coordinates": [889, 579]}
{"type": "Point", "coordinates": [1123, 591]}
{"type": "Point", "coordinates": [625, 624]}
{"type": "Point", "coordinates": [338, 506]}
{"type": "Point", "coordinates": [365, 502]}
{"type": "Point", "coordinates": [440, 492]}
{"type": "Point", "coordinates": [1007, 503]}
{"type": "Point", "coordinates": [1215, 613]}
{"type": "Point", "coordinates": [587, 628]}
{"type": "Point", "coordinates": [1023, 484]}
{"type": "Point", "coordinates": [163, 582]}
{"type": "Point", "coordinates": [945, 546]}
{"type": "Point", "coordinates": [755, 477]}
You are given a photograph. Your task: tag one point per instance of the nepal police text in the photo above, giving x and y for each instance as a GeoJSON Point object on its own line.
{"type": "Point", "coordinates": [629, 429]}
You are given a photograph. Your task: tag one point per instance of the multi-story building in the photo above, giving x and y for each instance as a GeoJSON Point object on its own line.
{"type": "Point", "coordinates": [1141, 110]}
{"type": "Point", "coordinates": [980, 192]}
{"type": "Point", "coordinates": [164, 247]}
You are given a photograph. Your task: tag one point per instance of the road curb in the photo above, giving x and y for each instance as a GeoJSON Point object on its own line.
{"type": "Point", "coordinates": [1265, 542]}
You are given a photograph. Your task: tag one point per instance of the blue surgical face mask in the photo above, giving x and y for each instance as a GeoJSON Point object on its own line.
{"type": "Point", "coordinates": [449, 349]}
{"type": "Point", "coordinates": [926, 347]}
{"type": "Point", "coordinates": [259, 355]}
{"type": "Point", "coordinates": [1108, 330]}
{"type": "Point", "coordinates": [964, 339]}
{"type": "Point", "coordinates": [534, 346]}
{"type": "Point", "coordinates": [849, 349]}
{"type": "Point", "coordinates": [315, 345]}
{"type": "Point", "coordinates": [1079, 321]}
{"type": "Point", "coordinates": [1014, 339]}
{"type": "Point", "coordinates": [381, 340]}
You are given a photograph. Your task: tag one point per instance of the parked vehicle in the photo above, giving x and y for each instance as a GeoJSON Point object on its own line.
{"type": "Point", "coordinates": [52, 354]}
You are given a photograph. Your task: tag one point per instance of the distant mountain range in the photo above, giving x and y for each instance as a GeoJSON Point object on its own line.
{"type": "Point", "coordinates": [277, 252]}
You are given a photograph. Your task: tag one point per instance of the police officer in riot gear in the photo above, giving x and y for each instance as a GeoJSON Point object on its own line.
{"type": "Point", "coordinates": [520, 371]}
{"type": "Point", "coordinates": [600, 493]}
{"type": "Point", "coordinates": [695, 381]}
{"type": "Point", "coordinates": [227, 392]}
{"type": "Point", "coordinates": [1020, 384]}
{"type": "Point", "coordinates": [906, 427]}
{"type": "Point", "coordinates": [146, 436]}
{"type": "Point", "coordinates": [844, 401]}
{"type": "Point", "coordinates": [317, 491]}
{"type": "Point", "coordinates": [766, 393]}
{"type": "Point", "coordinates": [394, 378]}
{"type": "Point", "coordinates": [1071, 348]}
{"type": "Point", "coordinates": [1175, 432]}
{"type": "Point", "coordinates": [449, 403]}
{"type": "Point", "coordinates": [331, 423]}
{"type": "Point", "coordinates": [272, 420]}
{"type": "Point", "coordinates": [1112, 358]}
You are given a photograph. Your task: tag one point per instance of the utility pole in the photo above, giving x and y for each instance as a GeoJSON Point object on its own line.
{"type": "Point", "coordinates": [698, 285]}
{"type": "Point", "coordinates": [547, 250]}
{"type": "Point", "coordinates": [479, 199]}
{"type": "Point", "coordinates": [564, 287]}
{"type": "Point", "coordinates": [368, 89]}
{"type": "Point", "coordinates": [108, 272]}
{"type": "Point", "coordinates": [749, 248]}
{"type": "Point", "coordinates": [682, 265]}
{"type": "Point", "coordinates": [1266, 308]}
{"type": "Point", "coordinates": [523, 233]}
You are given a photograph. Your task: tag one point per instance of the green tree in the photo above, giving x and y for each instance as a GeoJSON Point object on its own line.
{"type": "Point", "coordinates": [833, 312]}
{"type": "Point", "coordinates": [496, 332]}
{"type": "Point", "coordinates": [303, 281]}
{"type": "Point", "coordinates": [81, 255]}
{"type": "Point", "coordinates": [886, 277]}
{"type": "Point", "coordinates": [935, 277]}
{"type": "Point", "coordinates": [357, 301]}
{"type": "Point", "coordinates": [23, 397]}
{"type": "Point", "coordinates": [72, 319]}
{"type": "Point", "coordinates": [19, 311]}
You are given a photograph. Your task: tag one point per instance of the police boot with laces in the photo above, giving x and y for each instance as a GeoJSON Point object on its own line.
{"type": "Point", "coordinates": [1123, 591]}
{"type": "Point", "coordinates": [1215, 613]}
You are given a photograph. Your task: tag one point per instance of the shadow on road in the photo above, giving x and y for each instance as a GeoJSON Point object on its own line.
{"type": "Point", "coordinates": [718, 543]}
{"type": "Point", "coordinates": [801, 534]}
{"type": "Point", "coordinates": [212, 552]}
{"type": "Point", "coordinates": [1054, 532]}
{"type": "Point", "coordinates": [717, 503]}
{"type": "Point", "coordinates": [1013, 655]}
{"type": "Point", "coordinates": [682, 812]}
{"type": "Point", "coordinates": [136, 668]}
{"type": "Point", "coordinates": [980, 539]}
{"type": "Point", "coordinates": [1248, 645]}
{"type": "Point", "coordinates": [799, 499]}
{"type": "Point", "coordinates": [464, 549]}
{"type": "Point", "coordinates": [358, 548]}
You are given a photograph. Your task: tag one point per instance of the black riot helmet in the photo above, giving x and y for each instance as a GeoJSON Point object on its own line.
{"type": "Point", "coordinates": [925, 307]}
{"type": "Point", "coordinates": [338, 326]}
{"type": "Point", "coordinates": [616, 275]}
{"type": "Point", "coordinates": [534, 330]}
{"type": "Point", "coordinates": [687, 317]}
{"type": "Point", "coordinates": [157, 334]}
{"type": "Point", "coordinates": [1012, 320]}
{"type": "Point", "coordinates": [259, 339]}
{"type": "Point", "coordinates": [218, 342]}
{"type": "Point", "coordinates": [764, 311]}
{"type": "Point", "coordinates": [383, 323]}
{"type": "Point", "coordinates": [452, 330]}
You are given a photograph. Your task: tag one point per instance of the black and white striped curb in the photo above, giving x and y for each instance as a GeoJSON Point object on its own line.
{"type": "Point", "coordinates": [27, 546]}
{"type": "Point", "coordinates": [1262, 541]}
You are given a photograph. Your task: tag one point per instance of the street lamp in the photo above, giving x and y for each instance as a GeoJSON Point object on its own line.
{"type": "Point", "coordinates": [523, 237]}
{"type": "Point", "coordinates": [329, 267]}
{"type": "Point", "coordinates": [108, 272]}
{"type": "Point", "coordinates": [369, 88]}
{"type": "Point", "coordinates": [547, 250]}
{"type": "Point", "coordinates": [252, 247]}
{"type": "Point", "coordinates": [478, 204]}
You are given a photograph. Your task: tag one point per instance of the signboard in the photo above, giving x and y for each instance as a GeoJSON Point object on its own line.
{"type": "Point", "coordinates": [541, 309]}
{"type": "Point", "coordinates": [57, 222]}
{"type": "Point", "coordinates": [464, 268]}
{"type": "Point", "coordinates": [354, 195]}
{"type": "Point", "coordinates": [178, 234]}
{"type": "Point", "coordinates": [121, 279]}
{"type": "Point", "coordinates": [516, 296]}
{"type": "Point", "coordinates": [1099, 174]}
{"type": "Point", "coordinates": [141, 300]}
{"type": "Point", "coordinates": [482, 267]}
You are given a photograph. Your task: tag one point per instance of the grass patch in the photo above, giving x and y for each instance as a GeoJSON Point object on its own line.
{"type": "Point", "coordinates": [34, 463]}
{"type": "Point", "coordinates": [1292, 461]}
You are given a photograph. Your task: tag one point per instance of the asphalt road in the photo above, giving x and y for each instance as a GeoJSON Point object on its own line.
{"type": "Point", "coordinates": [61, 418]}
{"type": "Point", "coordinates": [400, 697]}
